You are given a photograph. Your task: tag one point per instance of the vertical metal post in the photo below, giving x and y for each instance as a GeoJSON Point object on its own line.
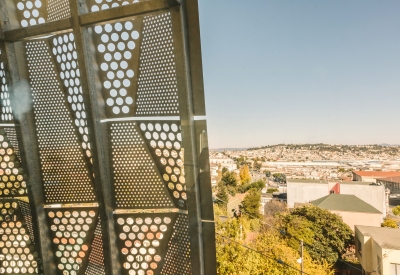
{"type": "Point", "coordinates": [191, 104]}
{"type": "Point", "coordinates": [29, 147]}
{"type": "Point", "coordinates": [99, 139]}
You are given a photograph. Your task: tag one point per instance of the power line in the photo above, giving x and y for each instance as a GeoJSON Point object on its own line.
{"type": "Point", "coordinates": [259, 252]}
{"type": "Point", "coordinates": [379, 264]}
{"type": "Point", "coordinates": [287, 234]}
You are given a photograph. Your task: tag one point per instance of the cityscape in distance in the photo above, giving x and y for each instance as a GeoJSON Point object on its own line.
{"type": "Point", "coordinates": [350, 191]}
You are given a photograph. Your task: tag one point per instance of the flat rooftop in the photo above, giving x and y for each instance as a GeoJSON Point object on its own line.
{"type": "Point", "coordinates": [377, 174]}
{"type": "Point", "coordinates": [385, 237]}
{"type": "Point", "coordinates": [331, 181]}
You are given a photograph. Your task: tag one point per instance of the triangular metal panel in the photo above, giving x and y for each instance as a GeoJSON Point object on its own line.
{"type": "Point", "coordinates": [117, 53]}
{"type": "Point", "coordinates": [137, 182]}
{"type": "Point", "coordinates": [96, 264]}
{"type": "Point", "coordinates": [12, 177]}
{"type": "Point", "coordinates": [65, 174]}
{"type": "Point", "coordinates": [157, 93]}
{"type": "Point", "coordinates": [143, 240]}
{"type": "Point", "coordinates": [72, 232]}
{"type": "Point", "coordinates": [64, 52]}
{"type": "Point", "coordinates": [177, 258]}
{"type": "Point", "coordinates": [164, 142]}
{"type": "Point", "coordinates": [17, 252]}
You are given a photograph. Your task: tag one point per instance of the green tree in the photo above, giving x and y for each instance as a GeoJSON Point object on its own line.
{"type": "Point", "coordinates": [274, 207]}
{"type": "Point", "coordinates": [251, 203]}
{"type": "Point", "coordinates": [222, 195]}
{"type": "Point", "coordinates": [388, 222]}
{"type": "Point", "coordinates": [256, 165]}
{"type": "Point", "coordinates": [224, 170]}
{"type": "Point", "coordinates": [244, 174]}
{"type": "Point", "coordinates": [259, 185]}
{"type": "Point", "coordinates": [272, 190]}
{"type": "Point", "coordinates": [326, 233]}
{"type": "Point", "coordinates": [279, 177]}
{"type": "Point", "coordinates": [235, 259]}
{"type": "Point", "coordinates": [229, 179]}
{"type": "Point", "coordinates": [267, 174]}
{"type": "Point", "coordinates": [396, 210]}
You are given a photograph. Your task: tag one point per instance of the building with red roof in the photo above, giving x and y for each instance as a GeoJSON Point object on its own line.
{"type": "Point", "coordinates": [372, 176]}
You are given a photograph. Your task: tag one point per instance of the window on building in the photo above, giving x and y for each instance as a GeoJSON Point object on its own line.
{"type": "Point", "coordinates": [359, 247]}
{"type": "Point", "coordinates": [379, 267]}
{"type": "Point", "coordinates": [394, 269]}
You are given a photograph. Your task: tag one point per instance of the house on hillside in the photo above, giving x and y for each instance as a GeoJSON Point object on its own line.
{"type": "Point", "coordinates": [305, 191]}
{"type": "Point", "coordinates": [371, 176]}
{"type": "Point", "coordinates": [353, 210]}
{"type": "Point", "coordinates": [378, 250]}
{"type": "Point", "coordinates": [391, 183]}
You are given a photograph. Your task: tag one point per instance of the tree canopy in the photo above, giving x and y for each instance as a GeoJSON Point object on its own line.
{"type": "Point", "coordinates": [388, 222]}
{"type": "Point", "coordinates": [396, 210]}
{"type": "Point", "coordinates": [326, 233]}
{"type": "Point", "coordinates": [229, 179]}
{"type": "Point", "coordinates": [244, 174]}
{"type": "Point", "coordinates": [251, 203]}
{"type": "Point", "coordinates": [235, 259]}
{"type": "Point", "coordinates": [279, 177]}
{"type": "Point", "coordinates": [222, 195]}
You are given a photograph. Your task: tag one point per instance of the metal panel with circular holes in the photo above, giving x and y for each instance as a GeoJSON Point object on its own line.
{"type": "Point", "coordinates": [103, 141]}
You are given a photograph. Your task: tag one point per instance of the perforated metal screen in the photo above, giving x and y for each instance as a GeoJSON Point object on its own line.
{"type": "Point", "coordinates": [103, 143]}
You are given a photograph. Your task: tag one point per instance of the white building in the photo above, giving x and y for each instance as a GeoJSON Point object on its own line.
{"type": "Point", "coordinates": [378, 250]}
{"type": "Point", "coordinates": [305, 191]}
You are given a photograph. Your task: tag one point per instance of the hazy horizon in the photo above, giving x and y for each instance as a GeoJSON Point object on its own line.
{"type": "Point", "coordinates": [244, 147]}
{"type": "Point", "coordinates": [301, 72]}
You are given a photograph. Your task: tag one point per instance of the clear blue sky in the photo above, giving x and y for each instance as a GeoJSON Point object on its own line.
{"type": "Point", "coordinates": [301, 71]}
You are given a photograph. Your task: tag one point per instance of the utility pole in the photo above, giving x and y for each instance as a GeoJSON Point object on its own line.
{"type": "Point", "coordinates": [302, 265]}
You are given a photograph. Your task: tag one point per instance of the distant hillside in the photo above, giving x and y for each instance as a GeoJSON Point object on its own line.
{"type": "Point", "coordinates": [332, 147]}
{"type": "Point", "coordinates": [228, 149]}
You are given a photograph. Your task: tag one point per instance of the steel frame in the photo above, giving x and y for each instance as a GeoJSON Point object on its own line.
{"type": "Point", "coordinates": [192, 105]}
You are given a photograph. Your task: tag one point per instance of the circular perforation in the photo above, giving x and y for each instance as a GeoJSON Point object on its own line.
{"type": "Point", "coordinates": [137, 184]}
{"type": "Point", "coordinates": [96, 5]}
{"type": "Point", "coordinates": [6, 111]}
{"type": "Point", "coordinates": [117, 43]}
{"type": "Point", "coordinates": [96, 257]}
{"type": "Point", "coordinates": [57, 10]}
{"type": "Point", "coordinates": [66, 177]}
{"type": "Point", "coordinates": [30, 12]}
{"type": "Point", "coordinates": [141, 239]}
{"type": "Point", "coordinates": [177, 258]}
{"type": "Point", "coordinates": [70, 237]}
{"type": "Point", "coordinates": [157, 83]}
{"type": "Point", "coordinates": [16, 250]}
{"type": "Point", "coordinates": [64, 51]}
{"type": "Point", "coordinates": [165, 141]}
{"type": "Point", "coordinates": [12, 178]}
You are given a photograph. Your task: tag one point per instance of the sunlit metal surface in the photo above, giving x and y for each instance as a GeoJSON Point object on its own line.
{"type": "Point", "coordinates": [102, 106]}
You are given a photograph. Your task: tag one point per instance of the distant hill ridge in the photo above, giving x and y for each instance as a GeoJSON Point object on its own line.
{"type": "Point", "coordinates": [309, 146]}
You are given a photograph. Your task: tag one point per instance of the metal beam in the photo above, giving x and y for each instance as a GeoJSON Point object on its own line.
{"type": "Point", "coordinates": [126, 11]}
{"type": "Point", "coordinates": [87, 19]}
{"type": "Point", "coordinates": [31, 162]}
{"type": "Point", "coordinates": [98, 139]}
{"type": "Point", "coordinates": [49, 28]}
{"type": "Point", "coordinates": [188, 141]}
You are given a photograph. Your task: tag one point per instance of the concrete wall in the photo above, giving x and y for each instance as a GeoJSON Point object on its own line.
{"type": "Point", "coordinates": [365, 258]}
{"type": "Point", "coordinates": [370, 252]}
{"type": "Point", "coordinates": [357, 218]}
{"type": "Point", "coordinates": [373, 195]}
{"type": "Point", "coordinates": [298, 192]}
{"type": "Point", "coordinates": [392, 257]}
